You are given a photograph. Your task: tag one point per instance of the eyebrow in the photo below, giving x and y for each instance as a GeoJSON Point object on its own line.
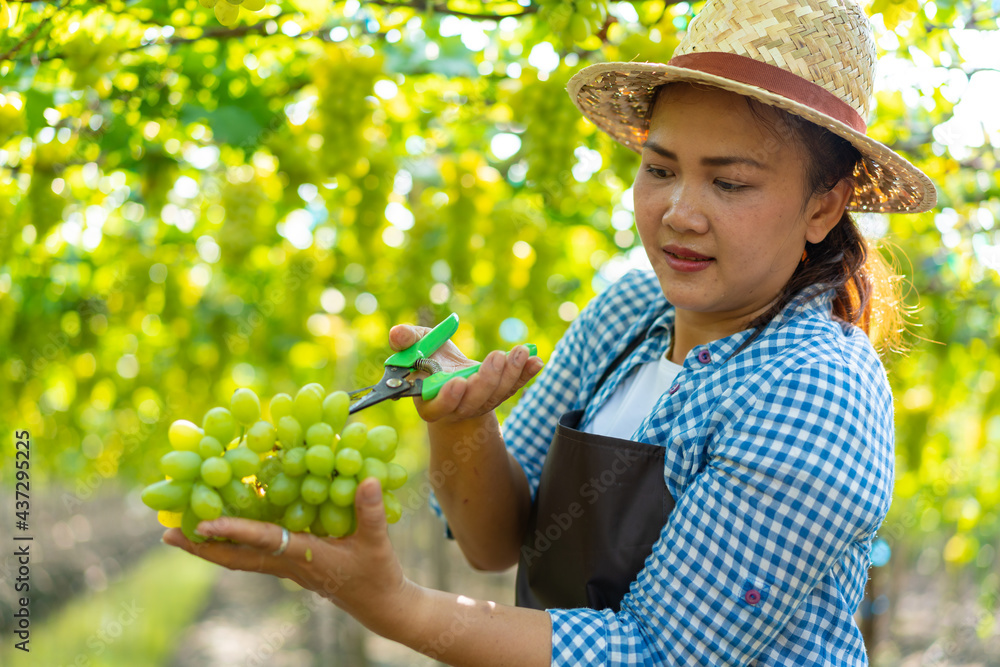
{"type": "Point", "coordinates": [712, 161]}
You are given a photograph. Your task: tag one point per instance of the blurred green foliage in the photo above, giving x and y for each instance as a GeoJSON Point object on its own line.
{"type": "Point", "coordinates": [186, 208]}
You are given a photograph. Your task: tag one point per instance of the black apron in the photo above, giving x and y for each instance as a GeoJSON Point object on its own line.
{"type": "Point", "coordinates": [600, 507]}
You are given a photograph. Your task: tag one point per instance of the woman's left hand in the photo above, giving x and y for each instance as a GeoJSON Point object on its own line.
{"type": "Point", "coordinates": [359, 573]}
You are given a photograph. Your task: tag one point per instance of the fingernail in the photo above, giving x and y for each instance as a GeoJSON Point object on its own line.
{"type": "Point", "coordinates": [497, 362]}
{"type": "Point", "coordinates": [204, 529]}
{"type": "Point", "coordinates": [370, 493]}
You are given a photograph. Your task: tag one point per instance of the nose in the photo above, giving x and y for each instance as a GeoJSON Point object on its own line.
{"type": "Point", "coordinates": [684, 210]}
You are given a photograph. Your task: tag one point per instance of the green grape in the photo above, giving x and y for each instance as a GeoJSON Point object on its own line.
{"type": "Point", "coordinates": [289, 432]}
{"type": "Point", "coordinates": [253, 5]}
{"type": "Point", "coordinates": [320, 460]}
{"type": "Point", "coordinates": [206, 502]}
{"type": "Point", "coordinates": [270, 512]}
{"type": "Point", "coordinates": [245, 406]}
{"type": "Point", "coordinates": [190, 521]}
{"type": "Point", "coordinates": [344, 80]}
{"type": "Point", "coordinates": [396, 476]}
{"type": "Point", "coordinates": [170, 494]}
{"type": "Point", "coordinates": [283, 489]}
{"type": "Point", "coordinates": [269, 467]}
{"type": "Point", "coordinates": [381, 443]}
{"type": "Point", "coordinates": [226, 13]}
{"type": "Point", "coordinates": [316, 527]}
{"type": "Point", "coordinates": [588, 8]}
{"type": "Point", "coordinates": [280, 406]}
{"type": "Point", "coordinates": [239, 500]}
{"type": "Point", "coordinates": [338, 521]}
{"type": "Point", "coordinates": [353, 436]}
{"type": "Point", "coordinates": [372, 467]}
{"type": "Point", "coordinates": [209, 447]}
{"type": "Point", "coordinates": [335, 407]}
{"type": "Point", "coordinates": [215, 471]}
{"type": "Point", "coordinates": [243, 461]}
{"type": "Point", "coordinates": [207, 4]}
{"type": "Point", "coordinates": [295, 462]}
{"type": "Point", "coordinates": [316, 388]}
{"type": "Point", "coordinates": [315, 489]}
{"type": "Point", "coordinates": [308, 407]}
{"type": "Point", "coordinates": [219, 424]}
{"type": "Point", "coordinates": [261, 437]}
{"type": "Point", "coordinates": [319, 433]}
{"type": "Point", "coordinates": [349, 462]}
{"type": "Point", "coordinates": [298, 516]}
{"type": "Point", "coordinates": [579, 29]}
{"type": "Point", "coordinates": [393, 508]}
{"type": "Point", "coordinates": [342, 490]}
{"type": "Point", "coordinates": [181, 465]}
{"type": "Point", "coordinates": [184, 435]}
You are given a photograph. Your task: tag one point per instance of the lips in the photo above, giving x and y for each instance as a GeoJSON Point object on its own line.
{"type": "Point", "coordinates": [685, 254]}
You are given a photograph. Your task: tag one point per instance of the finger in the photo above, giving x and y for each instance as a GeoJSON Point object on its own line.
{"type": "Point", "coordinates": [260, 535]}
{"type": "Point", "coordinates": [445, 403]}
{"type": "Point", "coordinates": [370, 511]}
{"type": "Point", "coordinates": [532, 367]}
{"type": "Point", "coordinates": [403, 336]}
{"type": "Point", "coordinates": [483, 385]}
{"type": "Point", "coordinates": [510, 378]}
{"type": "Point", "coordinates": [226, 554]}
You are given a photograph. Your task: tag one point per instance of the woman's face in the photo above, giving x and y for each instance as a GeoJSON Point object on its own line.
{"type": "Point", "coordinates": [720, 206]}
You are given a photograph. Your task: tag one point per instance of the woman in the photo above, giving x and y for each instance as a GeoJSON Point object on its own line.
{"type": "Point", "coordinates": [698, 475]}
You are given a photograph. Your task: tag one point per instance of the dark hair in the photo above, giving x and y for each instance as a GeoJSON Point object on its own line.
{"type": "Point", "coordinates": [865, 287]}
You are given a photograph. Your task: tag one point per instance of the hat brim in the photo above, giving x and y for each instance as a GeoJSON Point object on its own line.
{"type": "Point", "coordinates": [616, 98]}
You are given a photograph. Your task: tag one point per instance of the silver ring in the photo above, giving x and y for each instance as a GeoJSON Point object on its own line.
{"type": "Point", "coordinates": [286, 537]}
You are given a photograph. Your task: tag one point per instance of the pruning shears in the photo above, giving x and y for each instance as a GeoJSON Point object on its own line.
{"type": "Point", "coordinates": [397, 382]}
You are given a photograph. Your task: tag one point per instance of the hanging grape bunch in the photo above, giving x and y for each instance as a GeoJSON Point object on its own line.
{"type": "Point", "coordinates": [573, 21]}
{"type": "Point", "coordinates": [551, 133]}
{"type": "Point", "coordinates": [228, 11]}
{"type": "Point", "coordinates": [300, 470]}
{"type": "Point", "coordinates": [345, 80]}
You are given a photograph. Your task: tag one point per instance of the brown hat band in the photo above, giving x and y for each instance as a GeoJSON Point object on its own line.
{"type": "Point", "coordinates": [742, 69]}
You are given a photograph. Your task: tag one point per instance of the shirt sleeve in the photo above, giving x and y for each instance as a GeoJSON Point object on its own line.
{"type": "Point", "coordinates": [799, 476]}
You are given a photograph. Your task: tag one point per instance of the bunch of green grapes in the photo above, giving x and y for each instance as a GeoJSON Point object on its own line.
{"type": "Point", "coordinates": [12, 119]}
{"type": "Point", "coordinates": [551, 133]}
{"type": "Point", "coordinates": [344, 80]}
{"type": "Point", "coordinates": [245, 205]}
{"type": "Point", "coordinates": [228, 11]}
{"type": "Point", "coordinates": [300, 472]}
{"type": "Point", "coordinates": [573, 21]}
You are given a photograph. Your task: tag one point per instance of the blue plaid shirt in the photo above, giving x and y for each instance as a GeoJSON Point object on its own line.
{"type": "Point", "coordinates": [780, 460]}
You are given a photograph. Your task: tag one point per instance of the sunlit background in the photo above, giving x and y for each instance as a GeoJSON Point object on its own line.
{"type": "Point", "coordinates": [188, 207]}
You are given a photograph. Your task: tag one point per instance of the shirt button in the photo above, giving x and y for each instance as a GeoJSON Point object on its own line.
{"type": "Point", "coordinates": [673, 390]}
{"type": "Point", "coordinates": [704, 356]}
{"type": "Point", "coordinates": [752, 596]}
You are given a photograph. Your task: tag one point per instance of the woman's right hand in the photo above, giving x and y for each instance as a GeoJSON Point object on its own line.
{"type": "Point", "coordinates": [499, 377]}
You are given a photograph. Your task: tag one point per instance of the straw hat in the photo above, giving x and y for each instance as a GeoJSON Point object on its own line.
{"type": "Point", "coordinates": [813, 58]}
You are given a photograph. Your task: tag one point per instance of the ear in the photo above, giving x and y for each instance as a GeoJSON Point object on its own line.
{"type": "Point", "coordinates": [824, 211]}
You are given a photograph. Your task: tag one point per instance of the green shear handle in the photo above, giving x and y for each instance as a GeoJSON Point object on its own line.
{"type": "Point", "coordinates": [397, 381]}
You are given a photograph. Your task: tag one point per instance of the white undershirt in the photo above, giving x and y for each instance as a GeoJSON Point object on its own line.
{"type": "Point", "coordinates": [634, 399]}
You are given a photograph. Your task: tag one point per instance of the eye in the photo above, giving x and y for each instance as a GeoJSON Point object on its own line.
{"type": "Point", "coordinates": [726, 186]}
{"type": "Point", "coordinates": [657, 172]}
